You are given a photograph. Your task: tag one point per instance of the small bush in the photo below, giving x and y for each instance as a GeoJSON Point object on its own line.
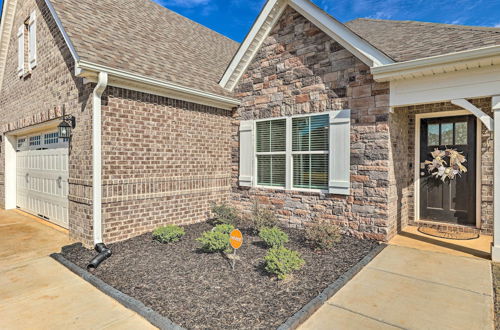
{"type": "Point", "coordinates": [225, 214]}
{"type": "Point", "coordinates": [168, 234]}
{"type": "Point", "coordinates": [214, 241]}
{"type": "Point", "coordinates": [273, 237]}
{"type": "Point", "coordinates": [261, 218]}
{"type": "Point", "coordinates": [322, 235]}
{"type": "Point", "coordinates": [224, 228]}
{"type": "Point", "coordinates": [282, 262]}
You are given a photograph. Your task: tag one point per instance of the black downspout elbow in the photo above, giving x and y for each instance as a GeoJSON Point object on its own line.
{"type": "Point", "coordinates": [104, 253]}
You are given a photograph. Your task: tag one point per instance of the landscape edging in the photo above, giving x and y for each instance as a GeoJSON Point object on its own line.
{"type": "Point", "coordinates": [312, 306]}
{"type": "Point", "coordinates": [131, 303]}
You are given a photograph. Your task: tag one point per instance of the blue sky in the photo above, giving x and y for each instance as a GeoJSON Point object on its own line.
{"type": "Point", "coordinates": [234, 18]}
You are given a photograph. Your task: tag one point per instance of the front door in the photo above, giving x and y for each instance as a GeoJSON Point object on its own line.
{"type": "Point", "coordinates": [451, 201]}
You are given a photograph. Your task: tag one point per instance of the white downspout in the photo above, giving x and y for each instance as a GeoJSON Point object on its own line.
{"type": "Point", "coordinates": [102, 83]}
{"type": "Point", "coordinates": [495, 249]}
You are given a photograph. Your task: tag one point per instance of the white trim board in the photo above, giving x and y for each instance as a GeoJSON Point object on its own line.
{"type": "Point", "coordinates": [8, 13]}
{"type": "Point", "coordinates": [464, 84]}
{"type": "Point", "coordinates": [267, 19]}
{"type": "Point", "coordinates": [416, 178]}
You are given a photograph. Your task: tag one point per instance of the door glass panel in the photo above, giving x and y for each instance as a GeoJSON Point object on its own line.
{"type": "Point", "coordinates": [461, 133]}
{"type": "Point", "coordinates": [433, 135]}
{"type": "Point", "coordinates": [447, 134]}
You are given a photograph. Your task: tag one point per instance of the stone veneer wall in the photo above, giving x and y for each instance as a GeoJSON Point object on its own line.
{"type": "Point", "coordinates": [164, 161]}
{"type": "Point", "coordinates": [41, 96]}
{"type": "Point", "coordinates": [403, 137]}
{"type": "Point", "coordinates": [299, 70]}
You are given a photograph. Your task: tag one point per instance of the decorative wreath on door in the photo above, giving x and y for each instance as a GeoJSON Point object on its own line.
{"type": "Point", "coordinates": [438, 166]}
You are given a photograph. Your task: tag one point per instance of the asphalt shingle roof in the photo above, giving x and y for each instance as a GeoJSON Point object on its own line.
{"type": "Point", "coordinates": [410, 40]}
{"type": "Point", "coordinates": [144, 38]}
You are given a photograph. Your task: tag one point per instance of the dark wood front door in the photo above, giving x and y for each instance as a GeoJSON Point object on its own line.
{"type": "Point", "coordinates": [452, 201]}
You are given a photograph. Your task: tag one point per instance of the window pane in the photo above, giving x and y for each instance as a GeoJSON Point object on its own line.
{"type": "Point", "coordinates": [310, 133]}
{"type": "Point", "coordinates": [461, 133]}
{"type": "Point", "coordinates": [433, 135]}
{"type": "Point", "coordinates": [300, 134]}
{"type": "Point", "coordinates": [271, 170]}
{"type": "Point", "coordinates": [447, 134]}
{"type": "Point", "coordinates": [271, 135]}
{"type": "Point", "coordinates": [310, 171]}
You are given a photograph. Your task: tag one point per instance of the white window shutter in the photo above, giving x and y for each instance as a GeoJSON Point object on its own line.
{"type": "Point", "coordinates": [32, 40]}
{"type": "Point", "coordinates": [246, 153]}
{"type": "Point", "coordinates": [20, 51]}
{"type": "Point", "coordinates": [340, 152]}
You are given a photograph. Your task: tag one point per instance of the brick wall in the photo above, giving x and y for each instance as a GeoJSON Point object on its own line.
{"type": "Point", "coordinates": [403, 137]}
{"type": "Point", "coordinates": [164, 161]}
{"type": "Point", "coordinates": [298, 70]}
{"type": "Point", "coordinates": [42, 96]}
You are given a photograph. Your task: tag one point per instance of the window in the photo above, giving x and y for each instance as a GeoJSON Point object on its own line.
{"type": "Point", "coordinates": [310, 152]}
{"type": "Point", "coordinates": [35, 140]}
{"type": "Point", "coordinates": [447, 134]}
{"type": "Point", "coordinates": [20, 143]}
{"type": "Point", "coordinates": [51, 138]}
{"type": "Point", "coordinates": [271, 153]}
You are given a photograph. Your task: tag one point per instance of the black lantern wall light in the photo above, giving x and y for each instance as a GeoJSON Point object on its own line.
{"type": "Point", "coordinates": [67, 124]}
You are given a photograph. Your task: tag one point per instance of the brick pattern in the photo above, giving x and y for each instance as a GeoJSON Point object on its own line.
{"type": "Point", "coordinates": [164, 161]}
{"type": "Point", "coordinates": [299, 70]}
{"type": "Point", "coordinates": [402, 137]}
{"type": "Point", "coordinates": [41, 96]}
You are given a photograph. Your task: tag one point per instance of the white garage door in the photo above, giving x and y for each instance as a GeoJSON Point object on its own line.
{"type": "Point", "coordinates": [42, 177]}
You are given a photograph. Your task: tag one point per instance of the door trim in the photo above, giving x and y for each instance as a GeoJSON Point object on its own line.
{"type": "Point", "coordinates": [416, 165]}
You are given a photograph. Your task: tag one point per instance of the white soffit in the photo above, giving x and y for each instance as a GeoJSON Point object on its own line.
{"type": "Point", "coordinates": [464, 60]}
{"type": "Point", "coordinates": [268, 18]}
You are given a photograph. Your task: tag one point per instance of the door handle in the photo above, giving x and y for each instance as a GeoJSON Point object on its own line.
{"type": "Point", "coordinates": [27, 177]}
{"type": "Point", "coordinates": [59, 180]}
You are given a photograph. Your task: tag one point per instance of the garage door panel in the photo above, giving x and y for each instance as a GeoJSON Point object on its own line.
{"type": "Point", "coordinates": [42, 179]}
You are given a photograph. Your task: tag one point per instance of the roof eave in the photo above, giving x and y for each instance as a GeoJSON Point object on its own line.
{"type": "Point", "coordinates": [478, 57]}
{"type": "Point", "coordinates": [128, 80]}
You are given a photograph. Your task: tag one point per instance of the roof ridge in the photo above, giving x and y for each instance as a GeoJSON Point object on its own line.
{"type": "Point", "coordinates": [450, 26]}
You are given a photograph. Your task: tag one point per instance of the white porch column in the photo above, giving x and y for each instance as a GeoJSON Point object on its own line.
{"type": "Point", "coordinates": [495, 249]}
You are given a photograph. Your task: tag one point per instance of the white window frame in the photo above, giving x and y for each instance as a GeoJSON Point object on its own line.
{"type": "Point", "coordinates": [289, 153]}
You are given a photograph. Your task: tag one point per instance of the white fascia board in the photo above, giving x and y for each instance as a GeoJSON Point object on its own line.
{"type": "Point", "coordinates": [367, 53]}
{"type": "Point", "coordinates": [397, 70]}
{"type": "Point", "coordinates": [487, 120]}
{"type": "Point", "coordinates": [7, 21]}
{"type": "Point", "coordinates": [63, 31]}
{"type": "Point", "coordinates": [124, 79]}
{"type": "Point", "coordinates": [247, 43]}
{"type": "Point", "coordinates": [495, 102]}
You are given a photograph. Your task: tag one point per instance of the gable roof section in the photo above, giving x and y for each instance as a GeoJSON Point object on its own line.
{"type": "Point", "coordinates": [268, 17]}
{"type": "Point", "coordinates": [142, 37]}
{"type": "Point", "coordinates": [410, 40]}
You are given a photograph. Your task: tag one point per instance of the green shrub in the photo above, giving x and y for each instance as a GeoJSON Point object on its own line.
{"type": "Point", "coordinates": [224, 228]}
{"type": "Point", "coordinates": [273, 237]}
{"type": "Point", "coordinates": [262, 217]}
{"type": "Point", "coordinates": [282, 262]}
{"type": "Point", "coordinates": [322, 235]}
{"type": "Point", "coordinates": [168, 233]}
{"type": "Point", "coordinates": [214, 241]}
{"type": "Point", "coordinates": [225, 214]}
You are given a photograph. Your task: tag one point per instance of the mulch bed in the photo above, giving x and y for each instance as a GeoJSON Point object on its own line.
{"type": "Point", "coordinates": [198, 290]}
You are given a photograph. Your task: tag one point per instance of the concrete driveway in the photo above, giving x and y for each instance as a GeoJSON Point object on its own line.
{"type": "Point", "coordinates": [36, 292]}
{"type": "Point", "coordinates": [408, 288]}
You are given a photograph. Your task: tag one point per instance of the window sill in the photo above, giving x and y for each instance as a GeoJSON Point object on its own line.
{"type": "Point", "coordinates": [294, 190]}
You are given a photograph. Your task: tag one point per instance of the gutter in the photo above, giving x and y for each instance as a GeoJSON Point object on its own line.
{"type": "Point", "coordinates": [102, 83]}
{"type": "Point", "coordinates": [390, 71]}
{"type": "Point", "coordinates": [128, 80]}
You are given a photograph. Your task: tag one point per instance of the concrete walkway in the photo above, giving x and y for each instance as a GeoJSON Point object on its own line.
{"type": "Point", "coordinates": [407, 288]}
{"type": "Point", "coordinates": [36, 292]}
